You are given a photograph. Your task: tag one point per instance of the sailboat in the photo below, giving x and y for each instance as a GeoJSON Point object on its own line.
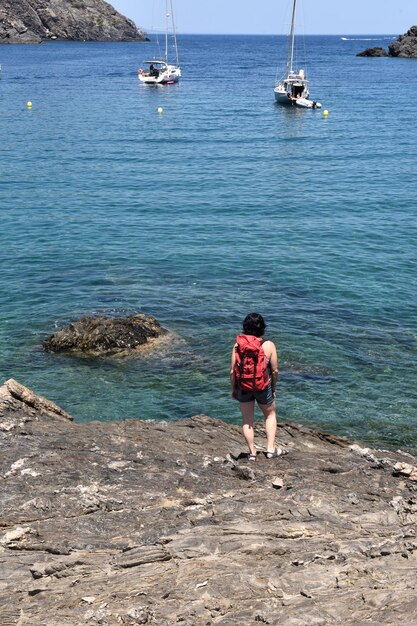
{"type": "Point", "coordinates": [293, 89]}
{"type": "Point", "coordinates": [160, 71]}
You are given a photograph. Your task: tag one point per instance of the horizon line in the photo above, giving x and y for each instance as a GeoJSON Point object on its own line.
{"type": "Point", "coordinates": [282, 34]}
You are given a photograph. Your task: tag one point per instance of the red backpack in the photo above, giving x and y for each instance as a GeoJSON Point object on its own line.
{"type": "Point", "coordinates": [251, 365]}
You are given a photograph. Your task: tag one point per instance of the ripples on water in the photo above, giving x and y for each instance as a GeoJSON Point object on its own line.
{"type": "Point", "coordinates": [223, 204]}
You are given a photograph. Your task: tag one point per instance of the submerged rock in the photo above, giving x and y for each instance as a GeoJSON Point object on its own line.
{"type": "Point", "coordinates": [405, 47]}
{"type": "Point", "coordinates": [32, 21]}
{"type": "Point", "coordinates": [105, 335]}
{"type": "Point", "coordinates": [163, 523]}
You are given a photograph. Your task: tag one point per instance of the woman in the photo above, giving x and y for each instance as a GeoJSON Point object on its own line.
{"type": "Point", "coordinates": [264, 391]}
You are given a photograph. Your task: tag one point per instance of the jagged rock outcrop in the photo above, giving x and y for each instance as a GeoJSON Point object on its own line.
{"type": "Point", "coordinates": [105, 335]}
{"type": "Point", "coordinates": [164, 523]}
{"type": "Point", "coordinates": [32, 21]}
{"type": "Point", "coordinates": [405, 47]}
{"type": "Point", "coordinates": [14, 397]}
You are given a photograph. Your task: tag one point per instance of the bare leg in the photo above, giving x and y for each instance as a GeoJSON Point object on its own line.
{"type": "Point", "coordinates": [248, 416]}
{"type": "Point", "coordinates": [270, 424]}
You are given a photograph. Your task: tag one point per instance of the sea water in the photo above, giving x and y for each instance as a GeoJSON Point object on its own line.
{"type": "Point", "coordinates": [222, 204]}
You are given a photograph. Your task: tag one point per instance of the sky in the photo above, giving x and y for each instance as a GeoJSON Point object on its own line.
{"type": "Point", "coordinates": [264, 17]}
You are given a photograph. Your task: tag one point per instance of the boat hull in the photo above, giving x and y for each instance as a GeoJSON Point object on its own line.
{"type": "Point", "coordinates": [164, 78]}
{"type": "Point", "coordinates": [282, 97]}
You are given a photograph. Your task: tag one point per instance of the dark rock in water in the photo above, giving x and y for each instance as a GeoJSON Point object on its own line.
{"type": "Point", "coordinates": [406, 45]}
{"type": "Point", "coordinates": [33, 21]}
{"type": "Point", "coordinates": [373, 52]}
{"type": "Point", "coordinates": [105, 335]}
{"type": "Point", "coordinates": [164, 523]}
{"type": "Point", "coordinates": [301, 371]}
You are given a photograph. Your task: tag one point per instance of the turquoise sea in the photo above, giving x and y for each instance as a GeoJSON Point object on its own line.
{"type": "Point", "coordinates": [223, 204]}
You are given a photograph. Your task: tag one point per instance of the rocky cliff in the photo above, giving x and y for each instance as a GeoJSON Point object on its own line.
{"type": "Point", "coordinates": [161, 523]}
{"type": "Point", "coordinates": [405, 47]}
{"type": "Point", "coordinates": [32, 21]}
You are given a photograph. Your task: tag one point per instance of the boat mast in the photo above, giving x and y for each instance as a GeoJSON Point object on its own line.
{"type": "Point", "coordinates": [291, 51]}
{"type": "Point", "coordinates": [175, 34]}
{"type": "Point", "coordinates": [166, 31]}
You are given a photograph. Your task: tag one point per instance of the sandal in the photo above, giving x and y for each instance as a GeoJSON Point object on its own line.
{"type": "Point", "coordinates": [252, 457]}
{"type": "Point", "coordinates": [277, 452]}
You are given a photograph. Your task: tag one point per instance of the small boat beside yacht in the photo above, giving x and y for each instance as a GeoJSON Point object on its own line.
{"type": "Point", "coordinates": [160, 71]}
{"type": "Point", "coordinates": [292, 89]}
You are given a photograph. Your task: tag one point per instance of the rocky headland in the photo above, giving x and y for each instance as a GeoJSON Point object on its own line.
{"type": "Point", "coordinates": [405, 47]}
{"type": "Point", "coordinates": [135, 522]}
{"type": "Point", "coordinates": [34, 21]}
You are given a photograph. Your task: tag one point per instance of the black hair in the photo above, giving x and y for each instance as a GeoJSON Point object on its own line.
{"type": "Point", "coordinates": [254, 324]}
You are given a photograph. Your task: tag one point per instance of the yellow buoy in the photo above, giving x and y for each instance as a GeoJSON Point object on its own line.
{"type": "Point", "coordinates": [325, 113]}
{"type": "Point", "coordinates": [29, 105]}
{"type": "Point", "coordinates": [160, 110]}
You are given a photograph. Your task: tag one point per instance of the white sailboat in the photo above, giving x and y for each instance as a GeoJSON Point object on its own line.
{"type": "Point", "coordinates": [160, 71]}
{"type": "Point", "coordinates": [292, 89]}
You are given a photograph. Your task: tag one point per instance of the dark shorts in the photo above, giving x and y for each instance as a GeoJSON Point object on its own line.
{"type": "Point", "coordinates": [262, 397]}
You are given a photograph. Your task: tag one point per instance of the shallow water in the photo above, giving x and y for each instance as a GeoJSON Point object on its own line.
{"type": "Point", "coordinates": [223, 204]}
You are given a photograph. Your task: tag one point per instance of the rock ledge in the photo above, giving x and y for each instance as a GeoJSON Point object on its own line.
{"type": "Point", "coordinates": [162, 523]}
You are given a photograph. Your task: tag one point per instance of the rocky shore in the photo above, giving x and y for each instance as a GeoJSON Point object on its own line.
{"type": "Point", "coordinates": [404, 47]}
{"type": "Point", "coordinates": [34, 21]}
{"type": "Point", "coordinates": [135, 522]}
